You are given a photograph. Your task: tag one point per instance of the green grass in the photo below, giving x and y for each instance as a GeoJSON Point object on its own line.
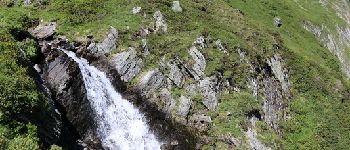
{"type": "Point", "coordinates": [318, 112]}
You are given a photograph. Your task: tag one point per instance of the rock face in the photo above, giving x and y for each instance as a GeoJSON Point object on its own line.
{"type": "Point", "coordinates": [176, 6]}
{"type": "Point", "coordinates": [44, 30]}
{"type": "Point", "coordinates": [280, 73]}
{"type": "Point", "coordinates": [337, 43]}
{"type": "Point", "coordinates": [127, 63]}
{"type": "Point", "coordinates": [65, 80]}
{"type": "Point", "coordinates": [106, 46]}
{"type": "Point", "coordinates": [252, 137]}
{"type": "Point", "coordinates": [160, 22]}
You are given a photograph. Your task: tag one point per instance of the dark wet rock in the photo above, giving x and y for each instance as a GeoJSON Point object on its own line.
{"type": "Point", "coordinates": [64, 78]}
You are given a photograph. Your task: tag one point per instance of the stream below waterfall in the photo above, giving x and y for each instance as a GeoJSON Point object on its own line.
{"type": "Point", "coordinates": [120, 125]}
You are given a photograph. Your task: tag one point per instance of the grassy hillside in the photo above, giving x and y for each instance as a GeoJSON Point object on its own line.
{"type": "Point", "coordinates": [319, 106]}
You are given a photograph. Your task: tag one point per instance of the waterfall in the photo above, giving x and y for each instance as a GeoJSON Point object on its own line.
{"type": "Point", "coordinates": [120, 125]}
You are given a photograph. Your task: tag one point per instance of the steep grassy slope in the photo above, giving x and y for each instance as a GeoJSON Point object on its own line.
{"type": "Point", "coordinates": [317, 111]}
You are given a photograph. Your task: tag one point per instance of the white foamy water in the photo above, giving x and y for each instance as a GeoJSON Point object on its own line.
{"type": "Point", "coordinates": [121, 126]}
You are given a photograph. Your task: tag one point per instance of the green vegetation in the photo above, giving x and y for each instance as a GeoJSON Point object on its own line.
{"type": "Point", "coordinates": [317, 110]}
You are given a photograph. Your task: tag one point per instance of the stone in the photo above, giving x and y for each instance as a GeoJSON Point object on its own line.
{"type": "Point", "coordinates": [200, 63]}
{"type": "Point", "coordinates": [184, 106]}
{"type": "Point", "coordinates": [192, 89]}
{"type": "Point", "coordinates": [127, 63]}
{"type": "Point", "coordinates": [37, 68]}
{"type": "Point", "coordinates": [278, 22]}
{"type": "Point", "coordinates": [176, 6]}
{"type": "Point", "coordinates": [177, 73]}
{"type": "Point", "coordinates": [44, 31]}
{"type": "Point", "coordinates": [168, 100]}
{"type": "Point", "coordinates": [160, 22]}
{"type": "Point", "coordinates": [136, 10]}
{"type": "Point", "coordinates": [209, 90]}
{"type": "Point", "coordinates": [106, 46]}
{"type": "Point", "coordinates": [152, 80]}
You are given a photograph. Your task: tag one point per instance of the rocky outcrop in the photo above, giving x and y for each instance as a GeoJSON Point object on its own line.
{"type": "Point", "coordinates": [198, 67]}
{"type": "Point", "coordinates": [106, 46]}
{"type": "Point", "coordinates": [337, 42]}
{"type": "Point", "coordinates": [279, 72]}
{"type": "Point", "coordinates": [177, 73]}
{"type": "Point", "coordinates": [252, 137]}
{"type": "Point", "coordinates": [127, 63]}
{"type": "Point", "coordinates": [151, 81]}
{"type": "Point", "coordinates": [183, 108]}
{"type": "Point", "coordinates": [209, 87]}
{"type": "Point", "coordinates": [44, 31]}
{"type": "Point", "coordinates": [160, 22]}
{"type": "Point", "coordinates": [64, 79]}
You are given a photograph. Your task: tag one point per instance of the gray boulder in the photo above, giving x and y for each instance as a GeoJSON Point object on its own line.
{"type": "Point", "coordinates": [177, 73]}
{"type": "Point", "coordinates": [160, 22]}
{"type": "Point", "coordinates": [44, 31]}
{"type": "Point", "coordinates": [184, 106]}
{"type": "Point", "coordinates": [106, 46]}
{"type": "Point", "coordinates": [152, 80]}
{"type": "Point", "coordinates": [127, 63]}
{"type": "Point", "coordinates": [209, 90]}
{"type": "Point", "coordinates": [168, 101]}
{"type": "Point", "coordinates": [200, 63]}
{"type": "Point", "coordinates": [176, 6]}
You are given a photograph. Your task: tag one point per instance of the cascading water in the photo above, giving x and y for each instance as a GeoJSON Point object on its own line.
{"type": "Point", "coordinates": [120, 125]}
